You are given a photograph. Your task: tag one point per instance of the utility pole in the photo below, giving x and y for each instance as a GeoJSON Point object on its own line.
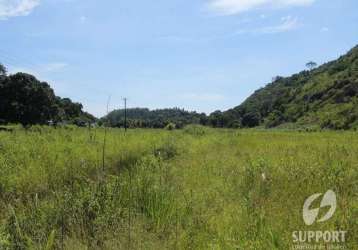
{"type": "Point", "coordinates": [125, 114]}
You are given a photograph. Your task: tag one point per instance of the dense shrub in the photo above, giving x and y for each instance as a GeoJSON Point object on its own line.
{"type": "Point", "coordinates": [170, 126]}
{"type": "Point", "coordinates": [196, 130]}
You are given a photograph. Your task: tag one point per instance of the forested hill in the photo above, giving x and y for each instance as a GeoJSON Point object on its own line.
{"type": "Point", "coordinates": [325, 97]}
{"type": "Point", "coordinates": [145, 118]}
{"type": "Point", "coordinates": [26, 100]}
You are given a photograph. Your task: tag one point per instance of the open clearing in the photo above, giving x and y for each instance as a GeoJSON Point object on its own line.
{"type": "Point", "coordinates": [196, 188]}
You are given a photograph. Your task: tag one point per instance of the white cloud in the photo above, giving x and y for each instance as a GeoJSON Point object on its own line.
{"type": "Point", "coordinates": [288, 23]}
{"type": "Point", "coordinates": [231, 7]}
{"type": "Point", "coordinates": [12, 8]}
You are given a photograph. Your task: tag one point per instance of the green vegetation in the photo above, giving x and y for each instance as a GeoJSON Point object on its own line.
{"type": "Point", "coordinates": [325, 97]}
{"type": "Point", "coordinates": [321, 98]}
{"type": "Point", "coordinates": [160, 118]}
{"type": "Point", "coordinates": [196, 188]}
{"type": "Point", "coordinates": [26, 100]}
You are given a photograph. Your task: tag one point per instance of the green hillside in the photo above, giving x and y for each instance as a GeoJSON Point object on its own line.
{"type": "Point", "coordinates": [145, 118]}
{"type": "Point", "coordinates": [325, 97]}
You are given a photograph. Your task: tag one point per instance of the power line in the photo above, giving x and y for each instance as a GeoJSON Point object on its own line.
{"type": "Point", "coordinates": [125, 114]}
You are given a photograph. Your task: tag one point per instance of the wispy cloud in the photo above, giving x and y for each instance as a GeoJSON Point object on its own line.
{"type": "Point", "coordinates": [288, 23]}
{"type": "Point", "coordinates": [12, 8]}
{"type": "Point", "coordinates": [232, 7]}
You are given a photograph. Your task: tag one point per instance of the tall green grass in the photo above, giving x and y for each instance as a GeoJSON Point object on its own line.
{"type": "Point", "coordinates": [197, 188]}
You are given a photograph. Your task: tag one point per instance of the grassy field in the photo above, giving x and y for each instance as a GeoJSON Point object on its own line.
{"type": "Point", "coordinates": [195, 188]}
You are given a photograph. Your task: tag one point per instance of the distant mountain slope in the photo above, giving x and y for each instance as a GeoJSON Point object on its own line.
{"type": "Point", "coordinates": [326, 96]}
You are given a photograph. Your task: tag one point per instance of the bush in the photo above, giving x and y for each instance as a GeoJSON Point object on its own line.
{"type": "Point", "coordinates": [195, 130]}
{"type": "Point", "coordinates": [166, 151]}
{"type": "Point", "coordinates": [251, 119]}
{"type": "Point", "coordinates": [170, 126]}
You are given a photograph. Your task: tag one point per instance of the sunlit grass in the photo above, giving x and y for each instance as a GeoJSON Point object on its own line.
{"type": "Point", "coordinates": [196, 188]}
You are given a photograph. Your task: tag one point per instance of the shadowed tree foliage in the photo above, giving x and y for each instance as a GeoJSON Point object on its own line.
{"type": "Point", "coordinates": [145, 118]}
{"type": "Point", "coordinates": [3, 70]}
{"type": "Point", "coordinates": [26, 100]}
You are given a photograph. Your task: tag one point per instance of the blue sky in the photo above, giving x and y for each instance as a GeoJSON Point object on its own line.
{"type": "Point", "coordinates": [201, 55]}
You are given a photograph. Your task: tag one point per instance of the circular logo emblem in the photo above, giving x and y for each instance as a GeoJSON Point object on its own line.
{"type": "Point", "coordinates": [310, 214]}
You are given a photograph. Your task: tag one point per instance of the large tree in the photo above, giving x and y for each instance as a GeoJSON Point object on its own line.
{"type": "Point", "coordinates": [3, 70]}
{"type": "Point", "coordinates": [26, 100]}
{"type": "Point", "coordinates": [311, 65]}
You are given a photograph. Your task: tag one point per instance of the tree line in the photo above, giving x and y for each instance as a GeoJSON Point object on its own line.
{"type": "Point", "coordinates": [160, 118]}
{"type": "Point", "coordinates": [326, 97]}
{"type": "Point", "coordinates": [26, 100]}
